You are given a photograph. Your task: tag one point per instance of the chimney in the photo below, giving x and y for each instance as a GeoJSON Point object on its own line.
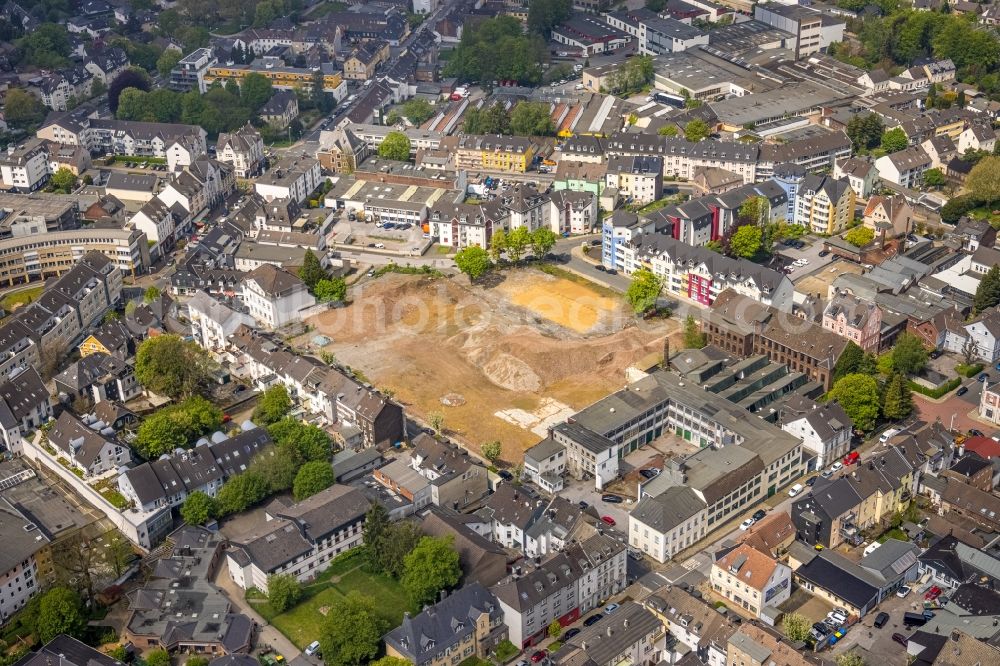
{"type": "Point", "coordinates": [666, 352]}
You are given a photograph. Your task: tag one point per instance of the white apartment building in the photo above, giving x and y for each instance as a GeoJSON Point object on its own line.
{"type": "Point", "coordinates": [825, 429]}
{"type": "Point", "coordinates": [300, 539]}
{"type": "Point", "coordinates": [668, 523]}
{"type": "Point", "coordinates": [156, 221]}
{"type": "Point", "coordinates": [243, 149]}
{"type": "Point", "coordinates": [639, 178]}
{"type": "Point", "coordinates": [212, 322]}
{"type": "Point", "coordinates": [18, 567]}
{"type": "Point", "coordinates": [905, 167]}
{"type": "Point", "coordinates": [25, 168]}
{"type": "Point", "coordinates": [290, 178]}
{"type": "Point", "coordinates": [275, 297]}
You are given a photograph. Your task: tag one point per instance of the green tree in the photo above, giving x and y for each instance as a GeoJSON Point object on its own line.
{"type": "Point", "coordinates": [312, 478]}
{"type": "Point", "coordinates": [543, 239]}
{"type": "Point", "coordinates": [755, 210]}
{"type": "Point", "coordinates": [118, 653]}
{"type": "Point", "coordinates": [474, 261]}
{"type": "Point", "coordinates": [46, 46]}
{"type": "Point", "coordinates": [894, 140]}
{"type": "Point", "coordinates": [63, 180]}
{"type": "Point", "coordinates": [198, 508]}
{"type": "Point", "coordinates": [130, 78]}
{"type": "Point", "coordinates": [543, 15]}
{"type": "Point", "coordinates": [643, 291]}
{"type": "Point", "coordinates": [796, 626]}
{"type": "Point", "coordinates": [849, 362]}
{"type": "Point", "coordinates": [329, 290]}
{"type": "Point", "coordinates": [859, 396]}
{"type": "Point", "coordinates": [241, 492]}
{"type": "Point", "coordinates": [395, 146]}
{"type": "Point", "coordinates": [436, 419]}
{"type": "Point", "coordinates": [59, 612]}
{"type": "Point", "coordinates": [278, 467]}
{"type": "Point", "coordinates": [22, 110]}
{"type": "Point", "coordinates": [988, 291]}
{"type": "Point", "coordinates": [158, 657]}
{"type": "Point", "coordinates": [418, 111]}
{"type": "Point", "coordinates": [898, 403]}
{"type": "Point", "coordinates": [696, 130]}
{"type": "Point", "coordinates": [908, 354]}
{"type": "Point", "coordinates": [491, 120]}
{"type": "Point", "coordinates": [498, 245]}
{"type": "Point", "coordinates": [283, 591]}
{"type": "Point", "coordinates": [172, 366]}
{"type": "Point", "coordinates": [693, 337]}
{"type": "Point", "coordinates": [851, 658]}
{"type": "Point", "coordinates": [746, 241]}
{"type": "Point", "coordinates": [517, 242]}
{"type": "Point", "coordinates": [492, 451]}
{"type": "Point", "coordinates": [302, 441]}
{"type": "Point", "coordinates": [389, 660]}
{"type": "Point", "coordinates": [669, 129]}
{"type": "Point", "coordinates": [555, 629]}
{"type": "Point", "coordinates": [429, 568]}
{"type": "Point", "coordinates": [865, 131]}
{"type": "Point", "coordinates": [934, 178]}
{"type": "Point", "coordinates": [255, 90]}
{"type": "Point", "coordinates": [983, 182]}
{"type": "Point", "coordinates": [272, 406]}
{"type": "Point", "coordinates": [167, 61]}
{"type": "Point", "coordinates": [151, 294]}
{"type": "Point", "coordinates": [311, 272]}
{"type": "Point", "coordinates": [176, 426]}
{"type": "Point", "coordinates": [133, 104]}
{"type": "Point", "coordinates": [860, 236]}
{"type": "Point", "coordinates": [196, 661]}
{"type": "Point", "coordinates": [497, 49]}
{"type": "Point", "coordinates": [532, 119]}
{"type": "Point", "coordinates": [351, 633]}
{"type": "Point", "coordinates": [375, 534]}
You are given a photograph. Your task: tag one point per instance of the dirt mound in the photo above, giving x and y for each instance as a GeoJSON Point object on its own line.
{"type": "Point", "coordinates": [511, 373]}
{"type": "Point", "coordinates": [453, 400]}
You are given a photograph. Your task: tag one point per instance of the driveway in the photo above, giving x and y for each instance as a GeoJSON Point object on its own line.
{"type": "Point", "coordinates": [810, 253]}
{"type": "Point", "coordinates": [267, 634]}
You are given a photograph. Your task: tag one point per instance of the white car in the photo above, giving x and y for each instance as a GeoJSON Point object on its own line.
{"type": "Point", "coordinates": [746, 524]}
{"type": "Point", "coordinates": [795, 490]}
{"type": "Point", "coordinates": [902, 592]}
{"type": "Point", "coordinates": [837, 617]}
{"type": "Point", "coordinates": [312, 648]}
{"type": "Point", "coordinates": [837, 466]}
{"type": "Point", "coordinates": [379, 246]}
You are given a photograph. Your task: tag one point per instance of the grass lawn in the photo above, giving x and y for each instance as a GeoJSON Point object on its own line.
{"type": "Point", "coordinates": [22, 297]}
{"type": "Point", "coordinates": [894, 533]}
{"type": "Point", "coordinates": [302, 623]}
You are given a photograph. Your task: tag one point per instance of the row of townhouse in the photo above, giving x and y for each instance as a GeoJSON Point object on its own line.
{"type": "Point", "coordinates": [178, 144]}
{"type": "Point", "coordinates": [166, 482]}
{"type": "Point", "coordinates": [364, 416]}
{"type": "Point", "coordinates": [299, 539]}
{"type": "Point", "coordinates": [27, 167]}
{"type": "Point", "coordinates": [463, 225]}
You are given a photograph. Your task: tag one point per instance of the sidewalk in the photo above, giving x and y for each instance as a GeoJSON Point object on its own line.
{"type": "Point", "coordinates": [268, 635]}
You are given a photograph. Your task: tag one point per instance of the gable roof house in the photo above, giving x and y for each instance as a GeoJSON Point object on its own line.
{"type": "Point", "coordinates": [482, 561]}
{"type": "Point", "coordinates": [24, 406]}
{"type": "Point", "coordinates": [466, 622]}
{"type": "Point", "coordinates": [99, 376]}
{"type": "Point", "coordinates": [275, 297]}
{"type": "Point", "coordinates": [88, 445]}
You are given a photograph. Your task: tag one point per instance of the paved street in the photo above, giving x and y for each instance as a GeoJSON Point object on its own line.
{"type": "Point", "coordinates": [268, 635]}
{"type": "Point", "coordinates": [955, 411]}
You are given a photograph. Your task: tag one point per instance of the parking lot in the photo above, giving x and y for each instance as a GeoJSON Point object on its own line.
{"type": "Point", "coordinates": [787, 256]}
{"type": "Point", "coordinates": [407, 239]}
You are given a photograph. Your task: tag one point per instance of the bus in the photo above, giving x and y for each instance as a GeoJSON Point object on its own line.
{"type": "Point", "coordinates": [669, 99]}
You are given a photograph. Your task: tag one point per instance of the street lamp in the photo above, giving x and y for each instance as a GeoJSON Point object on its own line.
{"type": "Point", "coordinates": [952, 426]}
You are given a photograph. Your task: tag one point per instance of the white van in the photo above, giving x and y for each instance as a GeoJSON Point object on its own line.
{"type": "Point", "coordinates": [312, 648]}
{"type": "Point", "coordinates": [795, 490]}
{"type": "Point", "coordinates": [872, 547]}
{"type": "Point", "coordinates": [887, 435]}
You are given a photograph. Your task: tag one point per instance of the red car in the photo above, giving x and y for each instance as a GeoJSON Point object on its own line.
{"type": "Point", "coordinates": [932, 593]}
{"type": "Point", "coordinates": [609, 520]}
{"type": "Point", "coordinates": [852, 458]}
{"type": "Point", "coordinates": [538, 656]}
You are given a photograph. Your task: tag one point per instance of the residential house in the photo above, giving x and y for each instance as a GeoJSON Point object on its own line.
{"type": "Point", "coordinates": [88, 446]}
{"type": "Point", "coordinates": [637, 179]}
{"type": "Point", "coordinates": [772, 534]}
{"type": "Point", "coordinates": [950, 563]}
{"type": "Point", "coordinates": [292, 177]}
{"type": "Point", "coordinates": [25, 168]}
{"type": "Point", "coordinates": [572, 212]}
{"type": "Point", "coordinates": [751, 579]}
{"type": "Point", "coordinates": [632, 634]}
{"type": "Point", "coordinates": [695, 624]}
{"type": "Point", "coordinates": [467, 623]}
{"type": "Point", "coordinates": [275, 297]}
{"type": "Point", "coordinates": [456, 480]}
{"type": "Point", "coordinates": [212, 321]}
{"type": "Point", "coordinates": [360, 65]}
{"type": "Point", "coordinates": [977, 136]}
{"type": "Point", "coordinates": [243, 149]}
{"type": "Point", "coordinates": [825, 429]}
{"type": "Point", "coordinates": [98, 377]}
{"type": "Point", "coordinates": [24, 406]}
{"type": "Point", "coordinates": [824, 205]}
{"type": "Point", "coordinates": [189, 73]}
{"type": "Point", "coordinates": [181, 582]}
{"type": "Point", "coordinates": [107, 64]}
{"type": "Point", "coordinates": [860, 173]}
{"type": "Point", "coordinates": [663, 525]}
{"type": "Point", "coordinates": [299, 539]}
{"type": "Point", "coordinates": [482, 561]}
{"type": "Point", "coordinates": [905, 167]}
{"type": "Point", "coordinates": [756, 644]}
{"type": "Point", "coordinates": [941, 150]}
{"type": "Point", "coordinates": [545, 465]}
{"type": "Point", "coordinates": [508, 153]}
{"type": "Point", "coordinates": [857, 320]}
{"type": "Point", "coordinates": [888, 216]}
{"type": "Point", "coordinates": [974, 233]}
{"type": "Point", "coordinates": [281, 109]}
{"type": "Point", "coordinates": [966, 500]}
{"type": "Point", "coordinates": [895, 562]}
{"type": "Point", "coordinates": [984, 332]}
{"type": "Point", "coordinates": [837, 510]}
{"type": "Point", "coordinates": [973, 469]}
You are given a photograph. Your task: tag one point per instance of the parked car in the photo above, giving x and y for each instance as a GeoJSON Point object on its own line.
{"type": "Point", "coordinates": [505, 475]}
{"type": "Point", "coordinates": [823, 253]}
{"type": "Point", "coordinates": [902, 592]}
{"type": "Point", "coordinates": [837, 466]}
{"type": "Point", "coordinates": [838, 617]}
{"type": "Point", "coordinates": [759, 514]}
{"type": "Point", "coordinates": [821, 628]}
{"type": "Point", "coordinates": [583, 505]}
{"type": "Point", "coordinates": [881, 619]}
{"type": "Point", "coordinates": [983, 376]}
{"type": "Point", "coordinates": [826, 473]}
{"type": "Point", "coordinates": [649, 473]}
{"type": "Point", "coordinates": [812, 481]}
{"type": "Point", "coordinates": [747, 524]}
{"type": "Point", "coordinates": [610, 608]}
{"type": "Point", "coordinates": [592, 620]}
{"type": "Point", "coordinates": [937, 354]}
{"type": "Point", "coordinates": [601, 268]}
{"type": "Point", "coordinates": [932, 593]}
{"type": "Point", "coordinates": [379, 246]}
{"type": "Point", "coordinates": [570, 633]}
{"type": "Point", "coordinates": [312, 648]}
{"type": "Point", "coordinates": [962, 390]}
{"type": "Point", "coordinates": [976, 433]}
{"type": "Point", "coordinates": [852, 458]}
{"type": "Point", "coordinates": [608, 520]}
{"type": "Point", "coordinates": [538, 656]}
{"type": "Point", "coordinates": [611, 499]}
{"type": "Point", "coordinates": [795, 490]}
{"type": "Point", "coordinates": [901, 639]}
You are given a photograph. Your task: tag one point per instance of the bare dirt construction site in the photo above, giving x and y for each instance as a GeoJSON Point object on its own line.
{"type": "Point", "coordinates": [500, 362]}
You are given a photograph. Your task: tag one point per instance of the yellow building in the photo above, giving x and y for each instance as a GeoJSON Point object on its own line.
{"type": "Point", "coordinates": [495, 153]}
{"type": "Point", "coordinates": [288, 78]}
{"type": "Point", "coordinates": [824, 205]}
